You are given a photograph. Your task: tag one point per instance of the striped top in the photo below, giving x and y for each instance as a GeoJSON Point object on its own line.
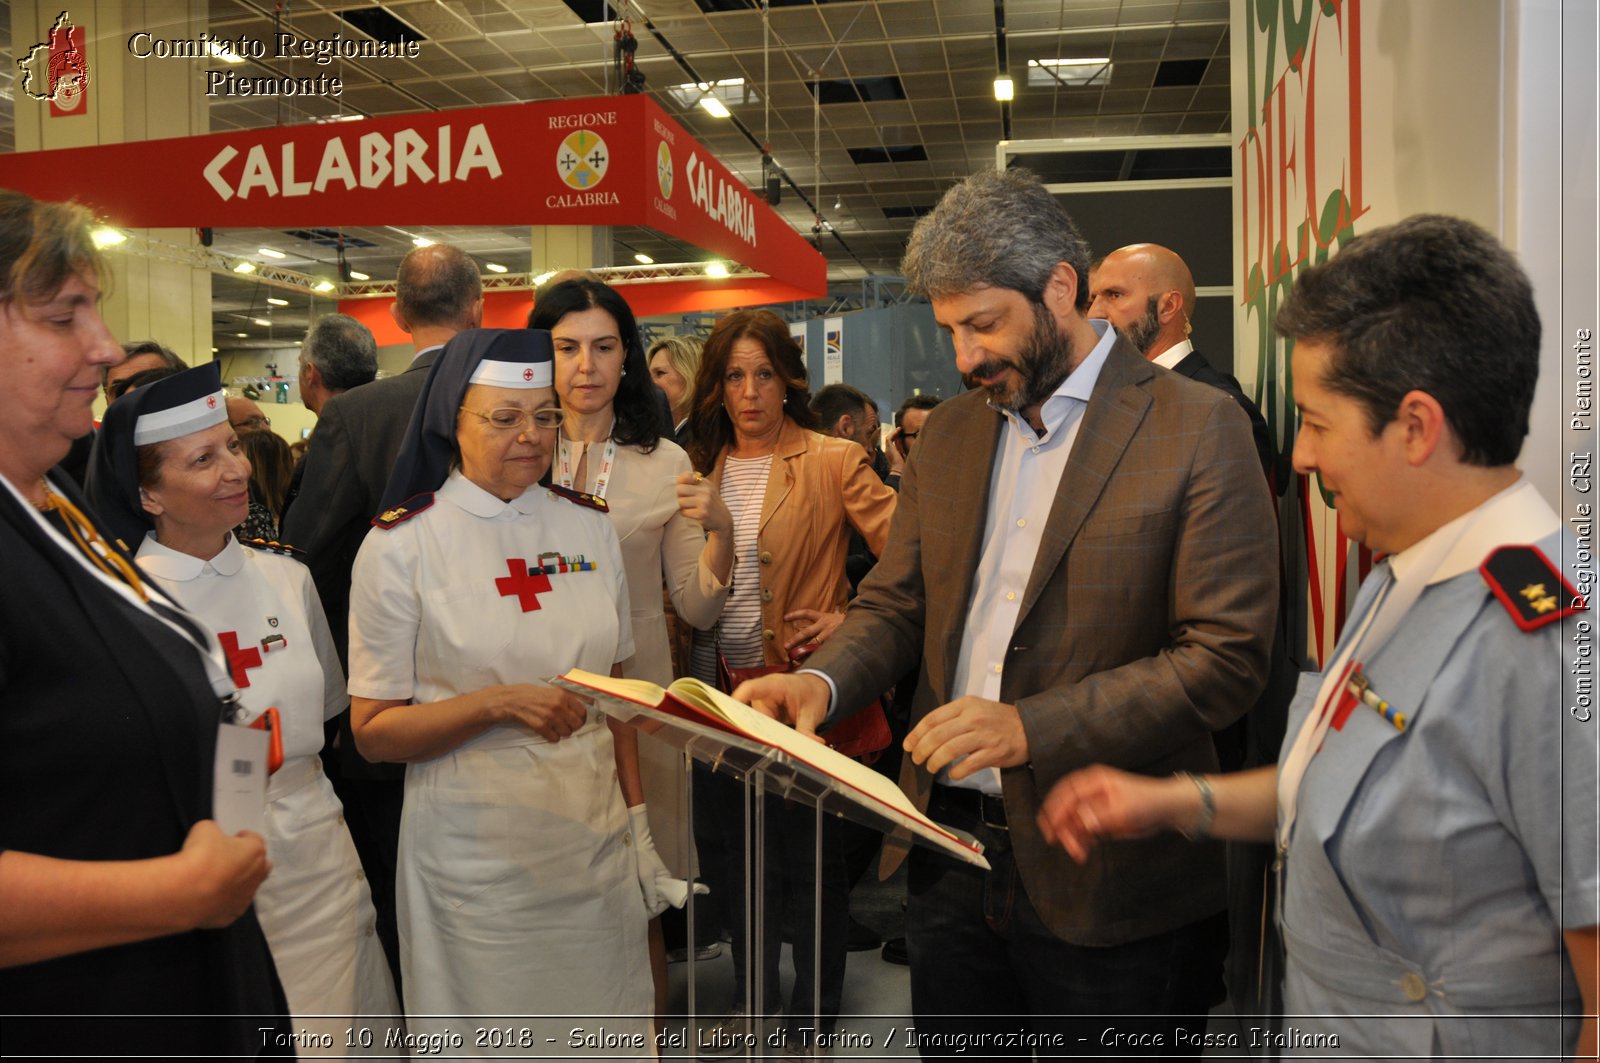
{"type": "Point", "coordinates": [744, 485]}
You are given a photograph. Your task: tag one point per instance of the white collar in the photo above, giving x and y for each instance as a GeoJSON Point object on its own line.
{"type": "Point", "coordinates": [1169, 358]}
{"type": "Point", "coordinates": [1517, 515]}
{"type": "Point", "coordinates": [480, 503]}
{"type": "Point", "coordinates": [164, 562]}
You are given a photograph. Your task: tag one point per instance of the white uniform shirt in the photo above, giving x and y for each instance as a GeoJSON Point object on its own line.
{"type": "Point", "coordinates": [436, 602]}
{"type": "Point", "coordinates": [264, 610]}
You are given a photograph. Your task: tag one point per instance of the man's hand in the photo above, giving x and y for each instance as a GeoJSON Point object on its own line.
{"type": "Point", "coordinates": [984, 733]}
{"type": "Point", "coordinates": [801, 701]}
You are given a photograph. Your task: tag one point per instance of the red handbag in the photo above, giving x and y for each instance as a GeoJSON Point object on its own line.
{"type": "Point", "coordinates": [863, 735]}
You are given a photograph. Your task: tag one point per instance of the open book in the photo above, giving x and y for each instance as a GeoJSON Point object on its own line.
{"type": "Point", "coordinates": [698, 703]}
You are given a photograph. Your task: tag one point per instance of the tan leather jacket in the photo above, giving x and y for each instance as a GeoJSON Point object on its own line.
{"type": "Point", "coordinates": [819, 487]}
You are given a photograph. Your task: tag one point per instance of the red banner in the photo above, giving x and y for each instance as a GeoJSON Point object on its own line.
{"type": "Point", "coordinates": [614, 160]}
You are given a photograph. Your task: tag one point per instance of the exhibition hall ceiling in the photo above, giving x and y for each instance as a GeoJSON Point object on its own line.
{"type": "Point", "coordinates": [872, 108]}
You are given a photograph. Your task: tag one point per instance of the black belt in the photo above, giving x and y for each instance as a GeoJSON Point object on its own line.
{"type": "Point", "coordinates": [988, 809]}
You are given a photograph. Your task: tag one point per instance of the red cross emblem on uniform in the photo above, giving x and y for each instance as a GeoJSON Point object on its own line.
{"type": "Point", "coordinates": [240, 659]}
{"type": "Point", "coordinates": [211, 402]}
{"type": "Point", "coordinates": [527, 374]}
{"type": "Point", "coordinates": [527, 586]}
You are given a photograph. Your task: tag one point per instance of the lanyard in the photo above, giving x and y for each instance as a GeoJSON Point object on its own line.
{"type": "Point", "coordinates": [607, 458]}
{"type": "Point", "coordinates": [150, 603]}
{"type": "Point", "coordinates": [1394, 600]}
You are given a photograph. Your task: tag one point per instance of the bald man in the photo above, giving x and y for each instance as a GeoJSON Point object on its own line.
{"type": "Point", "coordinates": [1147, 293]}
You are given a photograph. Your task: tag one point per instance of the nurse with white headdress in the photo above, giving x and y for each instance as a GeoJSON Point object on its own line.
{"type": "Point", "coordinates": [169, 477]}
{"type": "Point", "coordinates": [526, 879]}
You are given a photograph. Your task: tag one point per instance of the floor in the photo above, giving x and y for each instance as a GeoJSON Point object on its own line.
{"type": "Point", "coordinates": [876, 1023]}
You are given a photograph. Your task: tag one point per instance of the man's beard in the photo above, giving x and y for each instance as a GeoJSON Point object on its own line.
{"type": "Point", "coordinates": [1042, 364]}
{"type": "Point", "coordinates": [1142, 333]}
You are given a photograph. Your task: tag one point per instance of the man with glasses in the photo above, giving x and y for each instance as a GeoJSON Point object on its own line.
{"type": "Point", "coordinates": [246, 416]}
{"type": "Point", "coordinates": [913, 414]}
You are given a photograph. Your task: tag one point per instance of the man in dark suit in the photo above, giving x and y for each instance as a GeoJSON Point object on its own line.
{"type": "Point", "coordinates": [339, 353]}
{"type": "Point", "coordinates": [1147, 293]}
{"type": "Point", "coordinates": [1118, 605]}
{"type": "Point", "coordinates": [437, 294]}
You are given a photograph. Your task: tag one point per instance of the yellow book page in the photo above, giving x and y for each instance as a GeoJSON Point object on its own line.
{"type": "Point", "coordinates": [709, 699]}
{"type": "Point", "coordinates": [639, 691]}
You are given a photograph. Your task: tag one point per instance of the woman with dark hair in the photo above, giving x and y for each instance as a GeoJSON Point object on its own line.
{"type": "Point", "coordinates": [125, 918]}
{"type": "Point", "coordinates": [525, 884]}
{"type": "Point", "coordinates": [271, 469]}
{"type": "Point", "coordinates": [671, 522]}
{"type": "Point", "coordinates": [169, 477]}
{"type": "Point", "coordinates": [794, 496]}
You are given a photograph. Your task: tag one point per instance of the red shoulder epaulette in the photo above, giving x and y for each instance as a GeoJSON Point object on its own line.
{"type": "Point", "coordinates": [1530, 587]}
{"type": "Point", "coordinates": [273, 546]}
{"type": "Point", "coordinates": [404, 511]}
{"type": "Point", "coordinates": [592, 501]}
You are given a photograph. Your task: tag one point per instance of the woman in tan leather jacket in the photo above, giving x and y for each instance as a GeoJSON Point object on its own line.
{"type": "Point", "coordinates": [794, 496]}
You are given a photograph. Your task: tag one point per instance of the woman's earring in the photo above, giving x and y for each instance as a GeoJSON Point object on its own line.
{"type": "Point", "coordinates": [624, 370]}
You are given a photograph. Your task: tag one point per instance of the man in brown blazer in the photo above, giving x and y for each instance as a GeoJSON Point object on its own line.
{"type": "Point", "coordinates": [1084, 554]}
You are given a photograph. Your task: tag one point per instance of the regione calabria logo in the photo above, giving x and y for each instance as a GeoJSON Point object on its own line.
{"type": "Point", "coordinates": [56, 69]}
{"type": "Point", "coordinates": [582, 159]}
{"type": "Point", "coordinates": [664, 169]}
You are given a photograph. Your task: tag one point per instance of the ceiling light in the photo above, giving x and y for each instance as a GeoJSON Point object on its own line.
{"type": "Point", "coordinates": [271, 252]}
{"type": "Point", "coordinates": [541, 278]}
{"type": "Point", "coordinates": [838, 203]}
{"type": "Point", "coordinates": [261, 321]}
{"type": "Point", "coordinates": [716, 269]}
{"type": "Point", "coordinates": [276, 301]}
{"type": "Point", "coordinates": [242, 335]}
{"type": "Point", "coordinates": [1004, 89]}
{"type": "Point", "coordinates": [715, 107]}
{"type": "Point", "coordinates": [422, 241]}
{"type": "Point", "coordinates": [213, 350]}
{"type": "Point", "coordinates": [495, 267]}
{"type": "Point", "coordinates": [105, 236]}
{"type": "Point", "coordinates": [224, 52]}
{"type": "Point", "coordinates": [355, 276]}
{"type": "Point", "coordinates": [323, 286]}
{"type": "Point", "coordinates": [644, 259]}
{"type": "Point", "coordinates": [245, 267]}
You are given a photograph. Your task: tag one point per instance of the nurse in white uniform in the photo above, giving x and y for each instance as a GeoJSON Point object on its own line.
{"type": "Point", "coordinates": [525, 877]}
{"type": "Point", "coordinates": [171, 478]}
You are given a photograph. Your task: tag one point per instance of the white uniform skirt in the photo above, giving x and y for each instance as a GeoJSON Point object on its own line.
{"type": "Point", "coordinates": [316, 911]}
{"type": "Point", "coordinates": [518, 895]}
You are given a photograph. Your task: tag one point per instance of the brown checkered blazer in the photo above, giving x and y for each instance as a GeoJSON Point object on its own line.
{"type": "Point", "coordinates": [1145, 625]}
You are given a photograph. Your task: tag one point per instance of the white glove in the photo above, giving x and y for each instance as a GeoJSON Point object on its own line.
{"type": "Point", "coordinates": [660, 889]}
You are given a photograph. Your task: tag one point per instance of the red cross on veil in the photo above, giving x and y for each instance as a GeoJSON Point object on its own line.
{"type": "Point", "coordinates": [240, 659]}
{"type": "Point", "coordinates": [525, 585]}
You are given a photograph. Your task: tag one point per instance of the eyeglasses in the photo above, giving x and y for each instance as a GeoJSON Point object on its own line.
{"type": "Point", "coordinates": [252, 424]}
{"type": "Point", "coordinates": [511, 419]}
{"type": "Point", "coordinates": [908, 435]}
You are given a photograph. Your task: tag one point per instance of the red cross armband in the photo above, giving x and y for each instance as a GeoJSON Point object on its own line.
{"type": "Point", "coordinates": [1530, 587]}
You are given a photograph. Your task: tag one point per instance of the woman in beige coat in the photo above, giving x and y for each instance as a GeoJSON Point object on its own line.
{"type": "Point", "coordinates": [793, 496]}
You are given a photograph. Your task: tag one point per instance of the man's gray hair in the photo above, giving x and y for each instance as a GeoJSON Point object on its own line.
{"type": "Point", "coordinates": [343, 350]}
{"type": "Point", "coordinates": [998, 229]}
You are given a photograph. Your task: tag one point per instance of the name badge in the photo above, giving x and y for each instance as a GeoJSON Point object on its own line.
{"type": "Point", "coordinates": [239, 793]}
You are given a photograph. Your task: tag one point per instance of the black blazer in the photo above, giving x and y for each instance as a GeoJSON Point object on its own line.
{"type": "Point", "coordinates": [106, 744]}
{"type": "Point", "coordinates": [347, 465]}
